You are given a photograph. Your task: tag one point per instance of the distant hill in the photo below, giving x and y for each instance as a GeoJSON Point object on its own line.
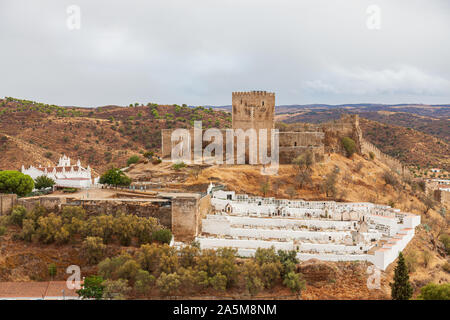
{"type": "Point", "coordinates": [394, 135]}
{"type": "Point", "coordinates": [435, 111]}
{"type": "Point", "coordinates": [34, 133]}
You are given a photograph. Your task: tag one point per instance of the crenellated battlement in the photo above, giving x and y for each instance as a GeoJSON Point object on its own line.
{"type": "Point", "coordinates": [252, 93]}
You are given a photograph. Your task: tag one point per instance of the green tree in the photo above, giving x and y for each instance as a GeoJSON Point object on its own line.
{"type": "Point", "coordinates": [144, 281]}
{"type": "Point", "coordinates": [445, 239]}
{"type": "Point", "coordinates": [288, 260]}
{"type": "Point", "coordinates": [115, 177]}
{"type": "Point", "coordinates": [18, 214]}
{"type": "Point", "coordinates": [219, 282]}
{"type": "Point", "coordinates": [116, 289]}
{"type": "Point", "coordinates": [168, 283]}
{"type": "Point", "coordinates": [15, 182]}
{"type": "Point", "coordinates": [265, 187]}
{"type": "Point", "coordinates": [162, 236]}
{"type": "Point", "coordinates": [401, 289]}
{"type": "Point", "coordinates": [271, 273]}
{"type": "Point", "coordinates": [329, 185]}
{"type": "Point", "coordinates": [92, 288]}
{"type": "Point", "coordinates": [252, 277]}
{"type": "Point", "coordinates": [43, 182]}
{"type": "Point", "coordinates": [52, 270]}
{"type": "Point", "coordinates": [349, 146]}
{"type": "Point", "coordinates": [294, 282]}
{"type": "Point", "coordinates": [93, 249]}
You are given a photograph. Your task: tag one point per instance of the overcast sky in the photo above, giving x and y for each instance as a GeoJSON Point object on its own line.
{"type": "Point", "coordinates": [198, 51]}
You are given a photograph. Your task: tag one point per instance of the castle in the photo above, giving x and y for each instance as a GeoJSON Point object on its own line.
{"type": "Point", "coordinates": [256, 110]}
{"type": "Point", "coordinates": [64, 174]}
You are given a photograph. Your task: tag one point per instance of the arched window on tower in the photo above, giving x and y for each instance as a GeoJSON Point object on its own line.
{"type": "Point", "coordinates": [295, 143]}
{"type": "Point", "coordinates": [263, 103]}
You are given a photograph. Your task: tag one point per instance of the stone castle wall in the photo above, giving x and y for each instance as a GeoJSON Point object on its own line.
{"type": "Point", "coordinates": [187, 213]}
{"type": "Point", "coordinates": [7, 202]}
{"type": "Point", "coordinates": [256, 109]}
{"type": "Point", "coordinates": [394, 164]}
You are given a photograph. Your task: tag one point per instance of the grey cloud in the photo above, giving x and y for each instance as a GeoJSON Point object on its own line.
{"type": "Point", "coordinates": [198, 51]}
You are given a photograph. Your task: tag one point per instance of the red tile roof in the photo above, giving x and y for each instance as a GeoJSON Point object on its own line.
{"type": "Point", "coordinates": [35, 290]}
{"type": "Point", "coordinates": [58, 169]}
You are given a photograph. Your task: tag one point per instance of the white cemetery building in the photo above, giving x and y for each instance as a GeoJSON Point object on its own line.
{"type": "Point", "coordinates": [324, 230]}
{"type": "Point", "coordinates": [64, 174]}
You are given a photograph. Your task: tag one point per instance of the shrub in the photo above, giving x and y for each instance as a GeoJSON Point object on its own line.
{"type": "Point", "coordinates": [92, 288]}
{"type": "Point", "coordinates": [162, 235]}
{"type": "Point", "coordinates": [93, 249]}
{"type": "Point", "coordinates": [446, 267]}
{"type": "Point", "coordinates": [179, 165]}
{"type": "Point", "coordinates": [411, 261]}
{"type": "Point", "coordinates": [133, 159]}
{"type": "Point", "coordinates": [219, 282]}
{"type": "Point", "coordinates": [18, 213]}
{"type": "Point", "coordinates": [2, 230]}
{"type": "Point", "coordinates": [28, 230]}
{"type": "Point", "coordinates": [349, 146]}
{"type": "Point", "coordinates": [43, 182]}
{"type": "Point", "coordinates": [252, 277]}
{"type": "Point", "coordinates": [52, 270]}
{"type": "Point", "coordinates": [427, 257]}
{"type": "Point", "coordinates": [390, 178]}
{"type": "Point", "coordinates": [156, 161]}
{"type": "Point", "coordinates": [445, 239]}
{"type": "Point", "coordinates": [294, 282]}
{"type": "Point", "coordinates": [371, 155]}
{"type": "Point", "coordinates": [148, 154]}
{"type": "Point", "coordinates": [435, 292]}
{"type": "Point", "coordinates": [144, 281]}
{"type": "Point", "coordinates": [168, 283]}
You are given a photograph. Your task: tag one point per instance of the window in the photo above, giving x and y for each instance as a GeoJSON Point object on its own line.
{"type": "Point", "coordinates": [295, 143]}
{"type": "Point", "coordinates": [263, 103]}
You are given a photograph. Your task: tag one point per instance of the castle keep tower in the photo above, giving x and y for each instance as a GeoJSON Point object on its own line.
{"type": "Point", "coordinates": [254, 109]}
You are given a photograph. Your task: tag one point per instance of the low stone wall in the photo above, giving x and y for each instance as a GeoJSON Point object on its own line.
{"type": "Point", "coordinates": [7, 202]}
{"type": "Point", "coordinates": [50, 203]}
{"type": "Point", "coordinates": [160, 210]}
{"type": "Point", "coordinates": [187, 213]}
{"type": "Point", "coordinates": [443, 196]}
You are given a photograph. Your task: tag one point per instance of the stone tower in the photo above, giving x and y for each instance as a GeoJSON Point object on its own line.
{"type": "Point", "coordinates": [254, 109]}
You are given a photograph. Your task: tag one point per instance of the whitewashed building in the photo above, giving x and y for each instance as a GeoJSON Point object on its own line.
{"type": "Point", "coordinates": [64, 174]}
{"type": "Point", "coordinates": [324, 230]}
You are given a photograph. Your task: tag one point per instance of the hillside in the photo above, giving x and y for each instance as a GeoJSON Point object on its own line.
{"type": "Point", "coordinates": [410, 146]}
{"type": "Point", "coordinates": [429, 121]}
{"type": "Point", "coordinates": [34, 133]}
{"type": "Point", "coordinates": [358, 180]}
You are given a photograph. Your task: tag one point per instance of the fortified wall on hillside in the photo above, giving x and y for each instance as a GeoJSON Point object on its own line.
{"type": "Point", "coordinates": [256, 110]}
